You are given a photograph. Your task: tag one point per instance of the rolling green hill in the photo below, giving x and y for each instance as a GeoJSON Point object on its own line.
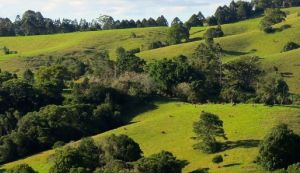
{"type": "Point", "coordinates": [168, 126]}
{"type": "Point", "coordinates": [241, 39]}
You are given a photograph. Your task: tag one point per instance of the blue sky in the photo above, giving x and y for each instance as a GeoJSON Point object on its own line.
{"type": "Point", "coordinates": [119, 9]}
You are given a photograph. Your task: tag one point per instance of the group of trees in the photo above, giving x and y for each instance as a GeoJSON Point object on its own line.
{"type": "Point", "coordinates": [114, 154]}
{"type": "Point", "coordinates": [33, 23]}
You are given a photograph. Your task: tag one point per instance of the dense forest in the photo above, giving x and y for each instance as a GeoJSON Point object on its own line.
{"type": "Point", "coordinates": [67, 99]}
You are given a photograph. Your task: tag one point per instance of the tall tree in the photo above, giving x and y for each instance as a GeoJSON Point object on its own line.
{"type": "Point", "coordinates": [207, 129]}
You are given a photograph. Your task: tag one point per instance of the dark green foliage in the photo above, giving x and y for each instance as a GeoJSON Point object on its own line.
{"type": "Point", "coordinates": [83, 159]}
{"type": "Point", "coordinates": [7, 28]}
{"type": "Point", "coordinates": [128, 62]}
{"type": "Point", "coordinates": [121, 148]}
{"type": "Point", "coordinates": [290, 46]}
{"type": "Point", "coordinates": [273, 90]}
{"type": "Point", "coordinates": [168, 73]}
{"type": "Point", "coordinates": [195, 20]}
{"type": "Point", "coordinates": [272, 16]}
{"type": "Point", "coordinates": [161, 21]}
{"type": "Point", "coordinates": [5, 76]}
{"type": "Point", "coordinates": [65, 159]}
{"type": "Point", "coordinates": [240, 78]}
{"type": "Point", "coordinates": [28, 76]}
{"type": "Point", "coordinates": [115, 166]}
{"type": "Point", "coordinates": [207, 129]}
{"type": "Point", "coordinates": [211, 21]}
{"type": "Point", "coordinates": [79, 170]}
{"type": "Point", "coordinates": [51, 81]}
{"type": "Point", "coordinates": [23, 168]}
{"type": "Point", "coordinates": [163, 162]}
{"type": "Point", "coordinates": [178, 32]}
{"type": "Point", "coordinates": [279, 149]}
{"type": "Point", "coordinates": [217, 159]}
{"type": "Point", "coordinates": [207, 59]}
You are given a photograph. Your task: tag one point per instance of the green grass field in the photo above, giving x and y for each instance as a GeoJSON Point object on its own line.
{"type": "Point", "coordinates": [244, 125]}
{"type": "Point", "coordinates": [241, 39]}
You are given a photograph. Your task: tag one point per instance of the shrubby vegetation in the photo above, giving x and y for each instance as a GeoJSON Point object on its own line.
{"type": "Point", "coordinates": [272, 16]}
{"type": "Point", "coordinates": [114, 154]}
{"type": "Point", "coordinates": [279, 149]}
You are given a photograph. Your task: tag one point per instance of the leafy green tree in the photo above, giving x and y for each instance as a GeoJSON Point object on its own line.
{"type": "Point", "coordinates": [244, 10]}
{"type": "Point", "coordinates": [128, 62]}
{"type": "Point", "coordinates": [115, 166]}
{"type": "Point", "coordinates": [194, 21]}
{"type": "Point", "coordinates": [28, 76]}
{"type": "Point", "coordinates": [65, 159]}
{"type": "Point", "coordinates": [51, 81]}
{"type": "Point", "coordinates": [272, 16]}
{"type": "Point", "coordinates": [23, 168]}
{"type": "Point", "coordinates": [6, 27]}
{"type": "Point", "coordinates": [274, 90]}
{"type": "Point", "coordinates": [121, 148]}
{"type": "Point", "coordinates": [107, 22]}
{"type": "Point", "coordinates": [207, 129]}
{"type": "Point", "coordinates": [23, 96]}
{"type": "Point", "coordinates": [90, 153]}
{"type": "Point", "coordinates": [279, 149]}
{"type": "Point", "coordinates": [241, 77]}
{"type": "Point", "coordinates": [178, 32]}
{"type": "Point", "coordinates": [162, 21]}
{"type": "Point", "coordinates": [212, 20]}
{"type": "Point", "coordinates": [5, 76]}
{"type": "Point", "coordinates": [163, 162]}
{"type": "Point", "coordinates": [207, 59]}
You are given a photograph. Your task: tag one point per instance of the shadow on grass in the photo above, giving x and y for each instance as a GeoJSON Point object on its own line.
{"type": "Point", "coordinates": [200, 170]}
{"type": "Point", "coordinates": [237, 53]}
{"type": "Point", "coordinates": [240, 144]}
{"type": "Point", "coordinates": [231, 165]}
{"type": "Point", "coordinates": [195, 39]}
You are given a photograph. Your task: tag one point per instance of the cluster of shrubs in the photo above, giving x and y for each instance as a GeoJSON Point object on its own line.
{"type": "Point", "coordinates": [113, 154]}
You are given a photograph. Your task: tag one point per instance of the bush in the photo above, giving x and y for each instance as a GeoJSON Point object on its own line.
{"type": "Point", "coordinates": [295, 168]}
{"type": "Point", "coordinates": [279, 149]}
{"type": "Point", "coordinates": [290, 46]}
{"type": "Point", "coordinates": [23, 168]}
{"type": "Point", "coordinates": [163, 162]}
{"type": "Point", "coordinates": [58, 144]}
{"type": "Point", "coordinates": [217, 159]}
{"type": "Point", "coordinates": [121, 148]}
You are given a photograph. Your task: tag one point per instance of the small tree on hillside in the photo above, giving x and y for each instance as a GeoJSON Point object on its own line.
{"type": "Point", "coordinates": [163, 162]}
{"type": "Point", "coordinates": [207, 129]}
{"type": "Point", "coordinates": [272, 16]}
{"type": "Point", "coordinates": [279, 149]}
{"type": "Point", "coordinates": [178, 32]}
{"type": "Point", "coordinates": [274, 90]}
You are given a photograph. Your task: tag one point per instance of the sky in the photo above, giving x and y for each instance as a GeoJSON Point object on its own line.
{"type": "Point", "coordinates": [119, 9]}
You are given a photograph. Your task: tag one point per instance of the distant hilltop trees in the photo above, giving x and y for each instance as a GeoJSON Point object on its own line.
{"type": "Point", "coordinates": [33, 23]}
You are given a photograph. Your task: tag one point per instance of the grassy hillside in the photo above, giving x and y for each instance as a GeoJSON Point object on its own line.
{"type": "Point", "coordinates": [244, 125]}
{"type": "Point", "coordinates": [74, 43]}
{"type": "Point", "coordinates": [241, 39]}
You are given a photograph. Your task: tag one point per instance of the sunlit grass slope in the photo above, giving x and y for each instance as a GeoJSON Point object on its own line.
{"type": "Point", "coordinates": [169, 127]}
{"type": "Point", "coordinates": [72, 43]}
